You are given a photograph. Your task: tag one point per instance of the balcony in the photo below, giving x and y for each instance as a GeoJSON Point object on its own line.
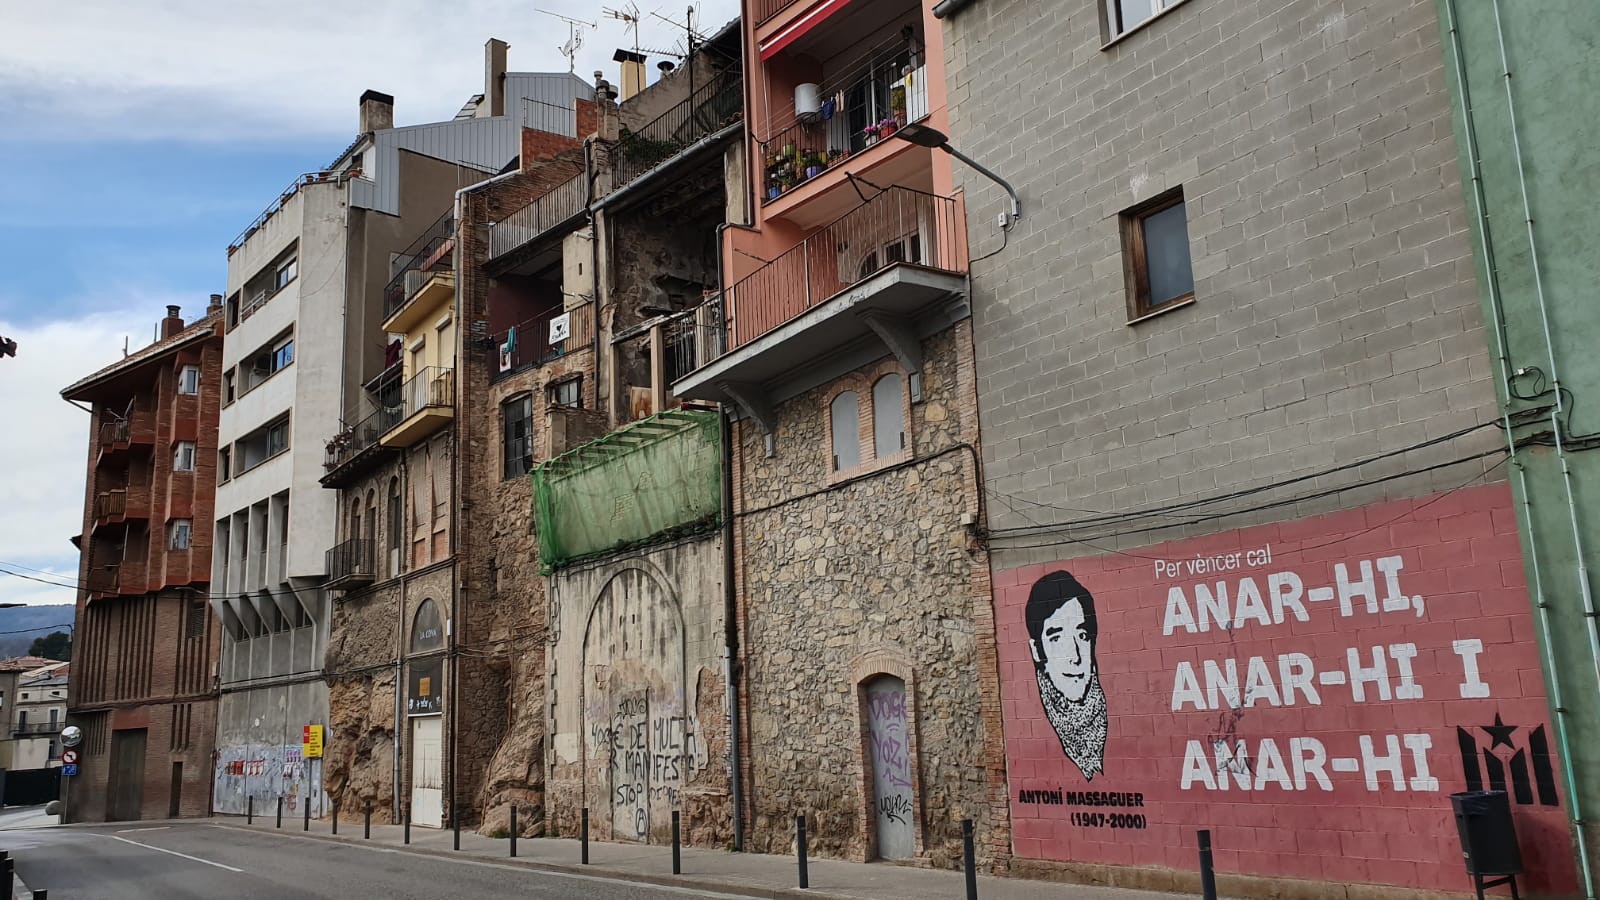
{"type": "Point", "coordinates": [351, 564]}
{"type": "Point", "coordinates": [544, 338]}
{"type": "Point", "coordinates": [714, 106]}
{"type": "Point", "coordinates": [413, 291]}
{"type": "Point", "coordinates": [104, 581]}
{"type": "Point", "coordinates": [564, 203]}
{"type": "Point", "coordinates": [427, 403]}
{"type": "Point", "coordinates": [121, 504]}
{"type": "Point", "coordinates": [350, 453]}
{"type": "Point", "coordinates": [882, 275]}
{"type": "Point", "coordinates": [118, 434]}
{"type": "Point", "coordinates": [37, 728]}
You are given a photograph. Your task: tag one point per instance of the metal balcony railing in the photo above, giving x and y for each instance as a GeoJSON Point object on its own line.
{"type": "Point", "coordinates": [352, 560]}
{"type": "Point", "coordinates": [433, 386]}
{"type": "Point", "coordinates": [277, 204]}
{"type": "Point", "coordinates": [762, 10]}
{"type": "Point", "coordinates": [715, 105]}
{"type": "Point", "coordinates": [432, 251]}
{"type": "Point", "coordinates": [38, 728]}
{"type": "Point", "coordinates": [563, 202]}
{"type": "Point", "coordinates": [530, 343]}
{"type": "Point", "coordinates": [113, 433]}
{"type": "Point", "coordinates": [875, 104]}
{"type": "Point", "coordinates": [349, 442]}
{"type": "Point", "coordinates": [899, 225]}
{"type": "Point", "coordinates": [111, 503]}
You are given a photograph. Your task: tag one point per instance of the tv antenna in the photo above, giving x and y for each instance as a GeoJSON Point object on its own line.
{"type": "Point", "coordinates": [574, 38]}
{"type": "Point", "coordinates": [629, 17]}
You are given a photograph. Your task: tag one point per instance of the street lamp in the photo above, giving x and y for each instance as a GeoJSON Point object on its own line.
{"type": "Point", "coordinates": [925, 136]}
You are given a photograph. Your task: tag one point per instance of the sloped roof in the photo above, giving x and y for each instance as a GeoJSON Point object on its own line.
{"type": "Point", "coordinates": [200, 330]}
{"type": "Point", "coordinates": [25, 663]}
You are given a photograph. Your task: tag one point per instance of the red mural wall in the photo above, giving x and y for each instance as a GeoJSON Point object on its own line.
{"type": "Point", "coordinates": [1313, 692]}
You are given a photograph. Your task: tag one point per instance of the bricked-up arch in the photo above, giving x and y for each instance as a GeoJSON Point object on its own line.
{"type": "Point", "coordinates": [638, 744]}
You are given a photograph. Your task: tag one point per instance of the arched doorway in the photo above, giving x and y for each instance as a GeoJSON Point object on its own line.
{"type": "Point", "coordinates": [424, 709]}
{"type": "Point", "coordinates": [639, 742]}
{"type": "Point", "coordinates": [889, 751]}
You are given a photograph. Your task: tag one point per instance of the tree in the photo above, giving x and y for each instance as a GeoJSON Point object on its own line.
{"type": "Point", "coordinates": [56, 645]}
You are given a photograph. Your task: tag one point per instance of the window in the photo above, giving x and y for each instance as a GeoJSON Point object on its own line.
{"type": "Point", "coordinates": [233, 312]}
{"type": "Point", "coordinates": [195, 622]}
{"type": "Point", "coordinates": [566, 393]}
{"type": "Point", "coordinates": [189, 380]}
{"type": "Point", "coordinates": [228, 382]}
{"type": "Point", "coordinates": [516, 417]}
{"type": "Point", "coordinates": [224, 464]}
{"type": "Point", "coordinates": [183, 457]}
{"type": "Point", "coordinates": [1125, 15]}
{"type": "Point", "coordinates": [1155, 247]}
{"type": "Point", "coordinates": [267, 361]}
{"type": "Point", "coordinates": [283, 354]}
{"type": "Point", "coordinates": [846, 416]}
{"type": "Point", "coordinates": [284, 274]}
{"type": "Point", "coordinates": [888, 416]}
{"type": "Point", "coordinates": [178, 534]}
{"type": "Point", "coordinates": [277, 438]}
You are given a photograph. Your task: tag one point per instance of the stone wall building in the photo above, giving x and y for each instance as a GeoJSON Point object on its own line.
{"type": "Point", "coordinates": [1255, 556]}
{"type": "Point", "coordinates": [145, 637]}
{"type": "Point", "coordinates": [867, 699]}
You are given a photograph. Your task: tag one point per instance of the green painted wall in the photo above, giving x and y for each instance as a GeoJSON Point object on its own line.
{"type": "Point", "coordinates": [1552, 49]}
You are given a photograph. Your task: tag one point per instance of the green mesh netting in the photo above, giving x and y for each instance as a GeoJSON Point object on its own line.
{"type": "Point", "coordinates": [657, 476]}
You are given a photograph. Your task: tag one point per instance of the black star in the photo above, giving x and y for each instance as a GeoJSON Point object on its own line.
{"type": "Point", "coordinates": [1501, 732]}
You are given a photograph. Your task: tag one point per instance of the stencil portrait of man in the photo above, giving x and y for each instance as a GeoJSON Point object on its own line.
{"type": "Point", "coordinates": [1062, 635]}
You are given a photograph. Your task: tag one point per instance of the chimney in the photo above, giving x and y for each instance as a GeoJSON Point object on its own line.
{"type": "Point", "coordinates": [666, 66]}
{"type": "Point", "coordinates": [494, 78]}
{"type": "Point", "coordinates": [215, 306]}
{"type": "Point", "coordinates": [608, 122]}
{"type": "Point", "coordinates": [172, 324]}
{"type": "Point", "coordinates": [632, 72]}
{"type": "Point", "coordinates": [377, 112]}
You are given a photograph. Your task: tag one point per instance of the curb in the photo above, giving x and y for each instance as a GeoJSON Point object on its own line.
{"type": "Point", "coordinates": [19, 888]}
{"type": "Point", "coordinates": [681, 882]}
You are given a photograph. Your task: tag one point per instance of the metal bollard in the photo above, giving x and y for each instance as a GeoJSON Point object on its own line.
{"type": "Point", "coordinates": [41, 895]}
{"type": "Point", "coordinates": [969, 859]}
{"type": "Point", "coordinates": [1208, 878]}
{"type": "Point", "coordinates": [9, 873]}
{"type": "Point", "coordinates": [307, 808]}
{"type": "Point", "coordinates": [408, 823]}
{"type": "Point", "coordinates": [677, 864]}
{"type": "Point", "coordinates": [336, 818]}
{"type": "Point", "coordinates": [583, 835]}
{"type": "Point", "coordinates": [455, 826]}
{"type": "Point", "coordinates": [366, 827]}
{"type": "Point", "coordinates": [800, 845]}
{"type": "Point", "coordinates": [249, 810]}
{"type": "Point", "coordinates": [513, 831]}
{"type": "Point", "coordinates": [280, 813]}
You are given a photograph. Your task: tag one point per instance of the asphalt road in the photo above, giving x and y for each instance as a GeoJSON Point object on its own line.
{"type": "Point", "coordinates": [205, 862]}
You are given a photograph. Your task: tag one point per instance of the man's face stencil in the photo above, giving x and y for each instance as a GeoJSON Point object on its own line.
{"type": "Point", "coordinates": [1065, 651]}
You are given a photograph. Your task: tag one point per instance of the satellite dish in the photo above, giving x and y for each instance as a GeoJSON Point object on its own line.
{"type": "Point", "coordinates": [71, 736]}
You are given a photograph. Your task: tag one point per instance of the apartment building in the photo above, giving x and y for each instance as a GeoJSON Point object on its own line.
{"type": "Point", "coordinates": [37, 716]}
{"type": "Point", "coordinates": [308, 298]}
{"type": "Point", "coordinates": [142, 688]}
{"type": "Point", "coordinates": [866, 696]}
{"type": "Point", "coordinates": [13, 672]}
{"type": "Point", "coordinates": [1256, 566]}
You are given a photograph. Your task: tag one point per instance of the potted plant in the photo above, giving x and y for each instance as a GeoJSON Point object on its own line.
{"type": "Point", "coordinates": [870, 133]}
{"type": "Point", "coordinates": [887, 127]}
{"type": "Point", "coordinates": [813, 163]}
{"type": "Point", "coordinates": [897, 102]}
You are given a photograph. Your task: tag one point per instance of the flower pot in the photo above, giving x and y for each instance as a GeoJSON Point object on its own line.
{"type": "Point", "coordinates": [813, 171]}
{"type": "Point", "coordinates": [773, 192]}
{"type": "Point", "coordinates": [887, 131]}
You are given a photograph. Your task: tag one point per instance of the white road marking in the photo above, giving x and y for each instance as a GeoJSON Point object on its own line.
{"type": "Point", "coordinates": [137, 830]}
{"type": "Point", "coordinates": [532, 869]}
{"type": "Point", "coordinates": [172, 853]}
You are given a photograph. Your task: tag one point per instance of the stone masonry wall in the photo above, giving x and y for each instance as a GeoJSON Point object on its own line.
{"type": "Point", "coordinates": [873, 575]}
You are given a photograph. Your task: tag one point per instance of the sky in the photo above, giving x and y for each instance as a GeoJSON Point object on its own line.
{"type": "Point", "coordinates": [137, 139]}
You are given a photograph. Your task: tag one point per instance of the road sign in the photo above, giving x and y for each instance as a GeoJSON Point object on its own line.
{"type": "Point", "coordinates": [69, 769]}
{"type": "Point", "coordinates": [71, 736]}
{"type": "Point", "coordinates": [69, 757]}
{"type": "Point", "coordinates": [311, 741]}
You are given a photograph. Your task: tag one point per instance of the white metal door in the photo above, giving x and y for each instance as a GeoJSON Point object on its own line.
{"type": "Point", "coordinates": [889, 730]}
{"type": "Point", "coordinates": [427, 796]}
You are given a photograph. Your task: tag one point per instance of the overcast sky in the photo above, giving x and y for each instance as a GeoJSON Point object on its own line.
{"type": "Point", "coordinates": [136, 139]}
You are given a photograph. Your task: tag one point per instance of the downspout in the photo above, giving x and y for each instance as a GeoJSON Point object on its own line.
{"type": "Point", "coordinates": [594, 258]}
{"type": "Point", "coordinates": [400, 643]}
{"type": "Point", "coordinates": [1502, 354]}
{"type": "Point", "coordinates": [730, 599]}
{"type": "Point", "coordinates": [944, 9]}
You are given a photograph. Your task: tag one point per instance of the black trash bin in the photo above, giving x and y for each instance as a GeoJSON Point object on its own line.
{"type": "Point", "coordinates": [1488, 838]}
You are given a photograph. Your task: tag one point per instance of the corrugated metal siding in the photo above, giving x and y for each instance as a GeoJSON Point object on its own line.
{"type": "Point", "coordinates": [541, 101]}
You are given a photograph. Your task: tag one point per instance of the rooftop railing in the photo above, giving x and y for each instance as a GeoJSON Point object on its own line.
{"type": "Point", "coordinates": [277, 204]}
{"type": "Point", "coordinates": [563, 202]}
{"type": "Point", "coordinates": [715, 105]}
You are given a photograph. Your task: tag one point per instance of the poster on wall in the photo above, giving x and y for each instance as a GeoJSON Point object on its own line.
{"type": "Point", "coordinates": [1309, 691]}
{"type": "Point", "coordinates": [424, 686]}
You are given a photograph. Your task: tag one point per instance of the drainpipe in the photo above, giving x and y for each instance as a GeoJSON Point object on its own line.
{"type": "Point", "coordinates": [944, 9]}
{"type": "Point", "coordinates": [594, 259]}
{"type": "Point", "coordinates": [1498, 326]}
{"type": "Point", "coordinates": [730, 603]}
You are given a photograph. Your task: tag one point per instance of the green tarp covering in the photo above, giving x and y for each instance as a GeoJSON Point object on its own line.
{"type": "Point", "coordinates": [657, 476]}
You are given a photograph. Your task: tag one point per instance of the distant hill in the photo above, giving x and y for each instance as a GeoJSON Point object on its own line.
{"type": "Point", "coordinates": [35, 621]}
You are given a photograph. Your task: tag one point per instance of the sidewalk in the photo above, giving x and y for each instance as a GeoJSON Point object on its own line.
{"type": "Point", "coordinates": [751, 874]}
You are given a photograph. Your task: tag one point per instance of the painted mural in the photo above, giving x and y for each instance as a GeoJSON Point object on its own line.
{"type": "Point", "coordinates": [1308, 691]}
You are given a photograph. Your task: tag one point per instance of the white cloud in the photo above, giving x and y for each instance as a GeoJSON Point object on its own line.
{"type": "Point", "coordinates": [196, 69]}
{"type": "Point", "coordinates": [46, 452]}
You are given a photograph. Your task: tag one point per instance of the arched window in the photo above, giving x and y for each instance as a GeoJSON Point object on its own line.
{"type": "Point", "coordinates": [372, 518]}
{"type": "Point", "coordinates": [846, 418]}
{"type": "Point", "coordinates": [427, 632]}
{"type": "Point", "coordinates": [888, 416]}
{"type": "Point", "coordinates": [355, 519]}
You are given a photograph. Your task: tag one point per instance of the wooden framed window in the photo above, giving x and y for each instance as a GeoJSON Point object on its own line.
{"type": "Point", "coordinates": [1155, 253]}
{"type": "Point", "coordinates": [845, 414]}
{"type": "Point", "coordinates": [516, 423]}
